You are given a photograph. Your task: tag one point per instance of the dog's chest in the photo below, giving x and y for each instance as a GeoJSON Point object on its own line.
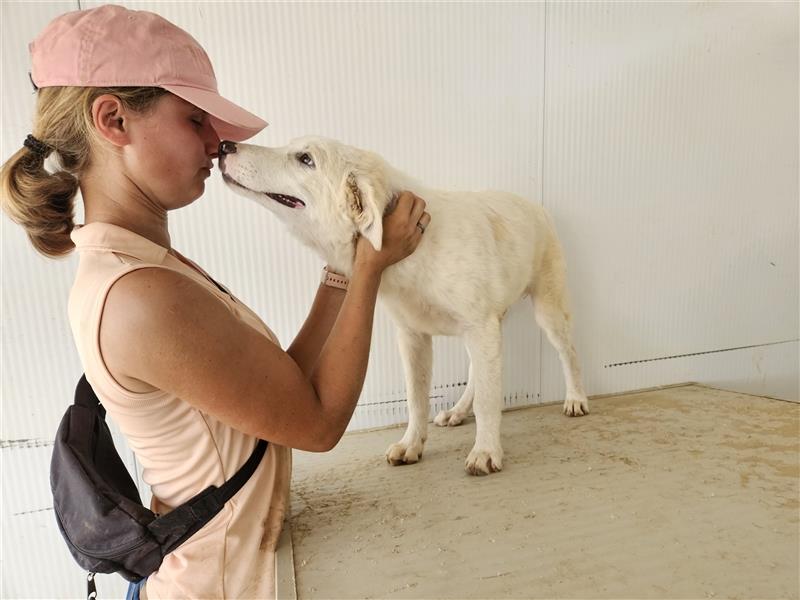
{"type": "Point", "coordinates": [412, 310]}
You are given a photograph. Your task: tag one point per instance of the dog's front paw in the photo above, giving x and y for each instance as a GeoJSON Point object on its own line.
{"type": "Point", "coordinates": [576, 406]}
{"type": "Point", "coordinates": [449, 418]}
{"type": "Point", "coordinates": [404, 454]}
{"type": "Point", "coordinates": [484, 462]}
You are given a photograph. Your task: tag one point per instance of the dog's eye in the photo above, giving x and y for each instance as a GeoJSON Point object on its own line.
{"type": "Point", "coordinates": [305, 158]}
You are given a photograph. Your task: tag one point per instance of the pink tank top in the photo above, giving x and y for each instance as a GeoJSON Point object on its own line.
{"type": "Point", "coordinates": [182, 449]}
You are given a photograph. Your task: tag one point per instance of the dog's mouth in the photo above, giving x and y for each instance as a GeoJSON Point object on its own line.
{"type": "Point", "coordinates": [289, 201]}
{"type": "Point", "coordinates": [284, 199]}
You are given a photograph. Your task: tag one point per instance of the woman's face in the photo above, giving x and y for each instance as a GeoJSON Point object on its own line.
{"type": "Point", "coordinates": [170, 152]}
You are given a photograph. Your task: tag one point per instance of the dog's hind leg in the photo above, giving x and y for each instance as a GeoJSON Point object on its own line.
{"type": "Point", "coordinates": [455, 415]}
{"type": "Point", "coordinates": [416, 352]}
{"type": "Point", "coordinates": [485, 349]}
{"type": "Point", "coordinates": [551, 309]}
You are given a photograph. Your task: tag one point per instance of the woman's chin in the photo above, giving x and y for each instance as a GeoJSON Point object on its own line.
{"type": "Point", "coordinates": [187, 200]}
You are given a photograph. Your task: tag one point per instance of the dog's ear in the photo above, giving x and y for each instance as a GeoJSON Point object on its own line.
{"type": "Point", "coordinates": [365, 199]}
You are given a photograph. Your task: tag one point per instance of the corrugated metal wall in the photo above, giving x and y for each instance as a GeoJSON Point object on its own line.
{"type": "Point", "coordinates": [661, 136]}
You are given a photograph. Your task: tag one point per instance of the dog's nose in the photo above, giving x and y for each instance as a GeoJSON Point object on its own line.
{"type": "Point", "coordinates": [226, 147]}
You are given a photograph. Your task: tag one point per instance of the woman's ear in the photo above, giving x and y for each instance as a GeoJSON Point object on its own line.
{"type": "Point", "coordinates": [109, 117]}
{"type": "Point", "coordinates": [365, 206]}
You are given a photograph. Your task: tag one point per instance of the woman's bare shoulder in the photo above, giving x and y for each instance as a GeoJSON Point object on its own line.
{"type": "Point", "coordinates": [165, 330]}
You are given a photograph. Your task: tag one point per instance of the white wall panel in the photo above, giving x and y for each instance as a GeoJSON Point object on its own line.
{"type": "Point", "coordinates": [671, 166]}
{"type": "Point", "coordinates": [661, 136]}
{"type": "Point", "coordinates": [37, 356]}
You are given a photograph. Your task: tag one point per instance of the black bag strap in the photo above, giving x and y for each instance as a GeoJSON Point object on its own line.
{"type": "Point", "coordinates": [178, 525]}
{"type": "Point", "coordinates": [85, 396]}
{"type": "Point", "coordinates": [202, 507]}
{"type": "Point", "coordinates": [91, 588]}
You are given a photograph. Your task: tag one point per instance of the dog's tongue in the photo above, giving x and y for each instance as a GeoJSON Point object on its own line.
{"type": "Point", "coordinates": [289, 201]}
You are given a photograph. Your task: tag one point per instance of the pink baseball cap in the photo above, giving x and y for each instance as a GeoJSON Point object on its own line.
{"type": "Point", "coordinates": [112, 46]}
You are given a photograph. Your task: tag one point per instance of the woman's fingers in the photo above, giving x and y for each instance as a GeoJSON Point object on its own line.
{"type": "Point", "coordinates": [424, 220]}
{"type": "Point", "coordinates": [407, 213]}
{"type": "Point", "coordinates": [405, 204]}
{"type": "Point", "coordinates": [416, 210]}
{"type": "Point", "coordinates": [402, 228]}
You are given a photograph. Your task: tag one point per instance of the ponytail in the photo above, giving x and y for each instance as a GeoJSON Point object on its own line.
{"type": "Point", "coordinates": [43, 202]}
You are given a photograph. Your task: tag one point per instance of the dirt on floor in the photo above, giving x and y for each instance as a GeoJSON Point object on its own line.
{"type": "Point", "coordinates": [685, 492]}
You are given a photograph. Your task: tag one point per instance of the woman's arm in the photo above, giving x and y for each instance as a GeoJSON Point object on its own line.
{"type": "Point", "coordinates": [311, 338]}
{"type": "Point", "coordinates": [342, 364]}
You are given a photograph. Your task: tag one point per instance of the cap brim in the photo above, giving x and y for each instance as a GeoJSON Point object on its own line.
{"type": "Point", "coordinates": [230, 121]}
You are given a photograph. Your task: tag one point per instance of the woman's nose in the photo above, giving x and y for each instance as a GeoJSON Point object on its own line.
{"type": "Point", "coordinates": [226, 147]}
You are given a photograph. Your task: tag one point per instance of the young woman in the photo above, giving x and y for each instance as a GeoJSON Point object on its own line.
{"type": "Point", "coordinates": [129, 105]}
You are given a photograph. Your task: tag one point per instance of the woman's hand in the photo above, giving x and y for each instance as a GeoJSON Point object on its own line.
{"type": "Point", "coordinates": [402, 232]}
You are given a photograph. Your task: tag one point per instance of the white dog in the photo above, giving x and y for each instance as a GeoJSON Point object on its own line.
{"type": "Point", "coordinates": [481, 252]}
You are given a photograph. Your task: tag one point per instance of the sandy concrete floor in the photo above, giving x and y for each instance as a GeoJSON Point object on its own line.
{"type": "Point", "coordinates": [686, 492]}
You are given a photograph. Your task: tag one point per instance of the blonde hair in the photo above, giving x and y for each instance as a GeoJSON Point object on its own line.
{"type": "Point", "coordinates": [43, 202]}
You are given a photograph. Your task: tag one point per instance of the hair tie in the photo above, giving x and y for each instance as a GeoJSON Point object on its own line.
{"type": "Point", "coordinates": [37, 146]}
